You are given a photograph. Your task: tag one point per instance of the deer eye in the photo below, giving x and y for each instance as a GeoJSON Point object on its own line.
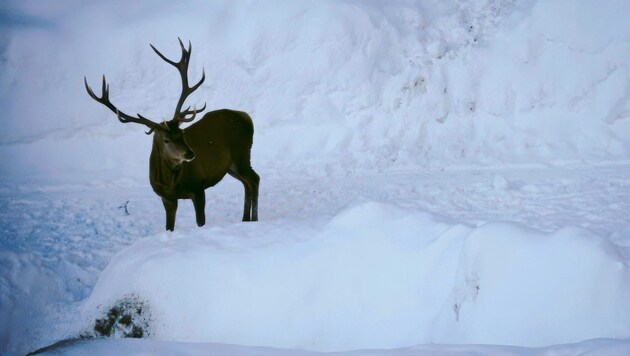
{"type": "Point", "coordinates": [166, 141]}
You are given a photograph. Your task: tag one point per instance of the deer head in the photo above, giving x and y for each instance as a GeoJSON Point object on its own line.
{"type": "Point", "coordinates": [169, 137]}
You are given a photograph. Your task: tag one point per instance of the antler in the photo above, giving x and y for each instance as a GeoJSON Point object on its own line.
{"type": "Point", "coordinates": [124, 118]}
{"type": "Point", "coordinates": [182, 67]}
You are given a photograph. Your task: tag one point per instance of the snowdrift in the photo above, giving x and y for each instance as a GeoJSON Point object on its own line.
{"type": "Point", "coordinates": [375, 276]}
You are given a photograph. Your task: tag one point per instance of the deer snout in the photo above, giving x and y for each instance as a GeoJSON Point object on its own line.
{"type": "Point", "coordinates": [189, 155]}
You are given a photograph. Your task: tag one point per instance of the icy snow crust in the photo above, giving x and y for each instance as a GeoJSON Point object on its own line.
{"type": "Point", "coordinates": [432, 171]}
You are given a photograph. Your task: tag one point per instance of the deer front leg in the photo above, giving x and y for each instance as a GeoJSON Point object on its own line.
{"type": "Point", "coordinates": [199, 201]}
{"type": "Point", "coordinates": [170, 206]}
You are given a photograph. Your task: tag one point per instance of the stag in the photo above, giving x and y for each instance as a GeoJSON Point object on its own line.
{"type": "Point", "coordinates": [185, 162]}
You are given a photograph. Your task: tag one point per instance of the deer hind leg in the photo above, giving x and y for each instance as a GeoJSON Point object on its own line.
{"type": "Point", "coordinates": [170, 206]}
{"type": "Point", "coordinates": [199, 202]}
{"type": "Point", "coordinates": [255, 181]}
{"type": "Point", "coordinates": [250, 180]}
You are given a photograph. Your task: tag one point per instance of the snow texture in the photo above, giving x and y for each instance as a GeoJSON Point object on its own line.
{"type": "Point", "coordinates": [407, 277]}
{"type": "Point", "coordinates": [451, 172]}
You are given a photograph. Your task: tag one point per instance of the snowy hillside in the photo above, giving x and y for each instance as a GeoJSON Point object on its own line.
{"type": "Point", "coordinates": [451, 172]}
{"type": "Point", "coordinates": [337, 85]}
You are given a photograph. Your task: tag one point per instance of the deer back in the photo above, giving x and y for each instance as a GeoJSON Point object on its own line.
{"type": "Point", "coordinates": [218, 140]}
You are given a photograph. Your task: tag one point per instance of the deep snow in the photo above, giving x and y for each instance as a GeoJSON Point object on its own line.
{"type": "Point", "coordinates": [432, 171]}
{"type": "Point", "coordinates": [404, 277]}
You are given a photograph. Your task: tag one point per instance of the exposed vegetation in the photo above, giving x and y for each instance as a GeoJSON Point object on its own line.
{"type": "Point", "coordinates": [129, 317]}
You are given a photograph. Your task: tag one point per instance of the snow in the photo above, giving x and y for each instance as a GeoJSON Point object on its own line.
{"type": "Point", "coordinates": [361, 86]}
{"type": "Point", "coordinates": [406, 276]}
{"type": "Point", "coordinates": [433, 172]}
{"type": "Point", "coordinates": [137, 347]}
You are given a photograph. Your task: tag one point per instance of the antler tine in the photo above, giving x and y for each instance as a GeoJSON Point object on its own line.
{"type": "Point", "coordinates": [105, 89]}
{"type": "Point", "coordinates": [188, 111]}
{"type": "Point", "coordinates": [182, 68]}
{"type": "Point", "coordinates": [151, 129]}
{"type": "Point", "coordinates": [89, 90]}
{"type": "Point", "coordinates": [164, 57]}
{"type": "Point", "coordinates": [185, 54]}
{"type": "Point", "coordinates": [123, 120]}
{"type": "Point", "coordinates": [193, 112]}
{"type": "Point", "coordinates": [182, 117]}
{"type": "Point", "coordinates": [203, 77]}
{"type": "Point", "coordinates": [122, 117]}
{"type": "Point", "coordinates": [103, 98]}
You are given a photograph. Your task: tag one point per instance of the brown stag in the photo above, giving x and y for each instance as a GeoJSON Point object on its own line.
{"type": "Point", "coordinates": [184, 162]}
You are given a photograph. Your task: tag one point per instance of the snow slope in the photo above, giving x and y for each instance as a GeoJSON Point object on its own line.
{"type": "Point", "coordinates": [470, 156]}
{"type": "Point", "coordinates": [331, 85]}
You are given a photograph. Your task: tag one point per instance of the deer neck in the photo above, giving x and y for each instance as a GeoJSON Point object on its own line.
{"type": "Point", "coordinates": [164, 172]}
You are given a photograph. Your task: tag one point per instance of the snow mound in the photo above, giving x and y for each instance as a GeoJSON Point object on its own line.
{"type": "Point", "coordinates": [374, 276]}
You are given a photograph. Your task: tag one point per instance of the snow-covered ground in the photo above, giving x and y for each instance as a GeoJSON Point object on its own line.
{"type": "Point", "coordinates": [137, 347]}
{"type": "Point", "coordinates": [433, 172]}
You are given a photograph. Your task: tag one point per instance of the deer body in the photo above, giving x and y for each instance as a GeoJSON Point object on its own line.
{"type": "Point", "coordinates": [184, 162]}
{"type": "Point", "coordinates": [221, 142]}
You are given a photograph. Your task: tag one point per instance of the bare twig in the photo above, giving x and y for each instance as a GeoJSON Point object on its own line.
{"type": "Point", "coordinates": [124, 206]}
